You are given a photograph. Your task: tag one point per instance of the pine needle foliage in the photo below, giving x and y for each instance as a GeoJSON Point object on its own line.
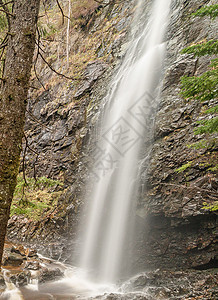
{"type": "Point", "coordinates": [204, 87]}
{"type": "Point", "coordinates": [204, 48]}
{"type": "Point", "coordinates": [211, 11]}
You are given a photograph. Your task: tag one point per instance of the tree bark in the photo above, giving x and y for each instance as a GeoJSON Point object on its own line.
{"type": "Point", "coordinates": [13, 100]}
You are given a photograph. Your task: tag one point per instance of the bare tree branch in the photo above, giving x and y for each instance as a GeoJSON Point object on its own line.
{"type": "Point", "coordinates": [6, 3]}
{"type": "Point", "coordinates": [37, 121]}
{"type": "Point", "coordinates": [37, 55]}
{"type": "Point", "coordinates": [61, 10]}
{"type": "Point", "coordinates": [6, 12]}
{"type": "Point", "coordinates": [56, 72]}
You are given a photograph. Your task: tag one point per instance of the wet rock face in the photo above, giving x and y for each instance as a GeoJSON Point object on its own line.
{"type": "Point", "coordinates": [58, 119]}
{"type": "Point", "coordinates": [178, 231]}
{"type": "Point", "coordinates": [92, 72]}
{"type": "Point", "coordinates": [174, 285]}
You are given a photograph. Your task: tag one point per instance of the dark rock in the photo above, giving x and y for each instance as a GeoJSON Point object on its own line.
{"type": "Point", "coordinates": [92, 72]}
{"type": "Point", "coordinates": [175, 231]}
{"type": "Point", "coordinates": [31, 253]}
{"type": "Point", "coordinates": [14, 259]}
{"type": "Point", "coordinates": [21, 279]}
{"type": "Point", "coordinates": [19, 250]}
{"type": "Point", "coordinates": [169, 284]}
{"type": "Point", "coordinates": [45, 139]}
{"type": "Point", "coordinates": [50, 275]}
{"type": "Point", "coordinates": [2, 282]}
{"type": "Point", "coordinates": [32, 265]}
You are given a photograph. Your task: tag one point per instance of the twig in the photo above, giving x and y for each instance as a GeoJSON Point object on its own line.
{"type": "Point", "coordinates": [56, 72]}
{"type": "Point", "coordinates": [61, 10]}
{"type": "Point", "coordinates": [34, 164]}
{"type": "Point", "coordinates": [5, 40]}
{"type": "Point", "coordinates": [41, 16]}
{"type": "Point", "coordinates": [37, 121]}
{"type": "Point", "coordinates": [6, 3]}
{"type": "Point", "coordinates": [3, 46]}
{"type": "Point", "coordinates": [7, 12]}
{"type": "Point", "coordinates": [34, 167]}
{"type": "Point", "coordinates": [37, 56]}
{"type": "Point", "coordinates": [38, 45]}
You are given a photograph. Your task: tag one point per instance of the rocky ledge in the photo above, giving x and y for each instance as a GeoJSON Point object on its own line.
{"type": "Point", "coordinates": [22, 266]}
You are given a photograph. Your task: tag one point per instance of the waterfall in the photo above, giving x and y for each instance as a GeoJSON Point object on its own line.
{"type": "Point", "coordinates": [128, 119]}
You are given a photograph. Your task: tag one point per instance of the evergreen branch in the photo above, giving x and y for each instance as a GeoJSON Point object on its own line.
{"type": "Point", "coordinates": [211, 11]}
{"type": "Point", "coordinates": [207, 48]}
{"type": "Point", "coordinates": [209, 126]}
{"type": "Point", "coordinates": [203, 88]}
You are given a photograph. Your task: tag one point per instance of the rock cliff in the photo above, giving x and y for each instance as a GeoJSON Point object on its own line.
{"type": "Point", "coordinates": [175, 231]}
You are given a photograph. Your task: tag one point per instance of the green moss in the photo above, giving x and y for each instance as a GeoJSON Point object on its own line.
{"type": "Point", "coordinates": [184, 167]}
{"type": "Point", "coordinates": [211, 207]}
{"type": "Point", "coordinates": [34, 199]}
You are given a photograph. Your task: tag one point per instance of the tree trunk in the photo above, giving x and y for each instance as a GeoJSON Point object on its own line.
{"type": "Point", "coordinates": [13, 100]}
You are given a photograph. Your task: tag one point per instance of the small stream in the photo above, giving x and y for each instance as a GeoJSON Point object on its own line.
{"type": "Point", "coordinates": [28, 275]}
{"type": "Point", "coordinates": [153, 285]}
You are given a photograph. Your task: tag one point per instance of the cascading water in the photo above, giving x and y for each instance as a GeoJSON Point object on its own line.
{"type": "Point", "coordinates": [127, 121]}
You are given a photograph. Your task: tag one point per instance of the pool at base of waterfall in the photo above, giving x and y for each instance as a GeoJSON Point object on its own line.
{"type": "Point", "coordinates": [151, 285]}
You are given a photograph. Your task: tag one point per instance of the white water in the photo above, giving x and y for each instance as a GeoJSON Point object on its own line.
{"type": "Point", "coordinates": [128, 118]}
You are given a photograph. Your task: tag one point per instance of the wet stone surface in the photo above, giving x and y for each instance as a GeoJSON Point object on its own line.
{"type": "Point", "coordinates": [48, 279]}
{"type": "Point", "coordinates": [155, 285]}
{"type": "Point", "coordinates": [21, 265]}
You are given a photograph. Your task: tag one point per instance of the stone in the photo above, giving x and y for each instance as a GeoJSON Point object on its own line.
{"type": "Point", "coordinates": [50, 275]}
{"type": "Point", "coordinates": [31, 252]}
{"type": "Point", "coordinates": [2, 282]}
{"type": "Point", "coordinates": [21, 279]}
{"type": "Point", "coordinates": [92, 72]}
{"type": "Point", "coordinates": [165, 193]}
{"type": "Point", "coordinates": [19, 250]}
{"type": "Point", "coordinates": [45, 139]}
{"type": "Point", "coordinates": [32, 265]}
{"type": "Point", "coordinates": [14, 259]}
